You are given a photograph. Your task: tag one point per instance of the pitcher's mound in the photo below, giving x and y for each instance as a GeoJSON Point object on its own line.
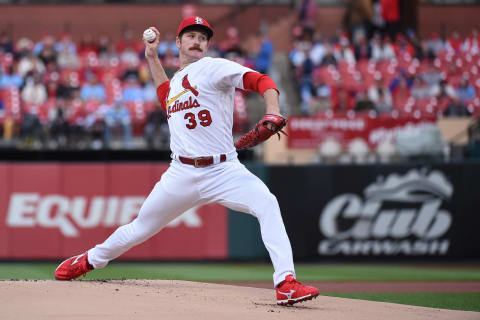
{"type": "Point", "coordinates": [168, 299]}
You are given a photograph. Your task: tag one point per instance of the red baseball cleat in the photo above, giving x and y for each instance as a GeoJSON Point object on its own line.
{"type": "Point", "coordinates": [73, 267]}
{"type": "Point", "coordinates": [291, 291]}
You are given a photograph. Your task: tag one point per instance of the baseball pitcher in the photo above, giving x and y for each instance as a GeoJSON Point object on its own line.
{"type": "Point", "coordinates": [198, 101]}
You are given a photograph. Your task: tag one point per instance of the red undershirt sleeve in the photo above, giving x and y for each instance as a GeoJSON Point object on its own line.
{"type": "Point", "coordinates": [258, 82]}
{"type": "Point", "coordinates": [162, 94]}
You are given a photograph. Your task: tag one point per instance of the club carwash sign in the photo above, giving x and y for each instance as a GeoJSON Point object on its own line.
{"type": "Point", "coordinates": [399, 215]}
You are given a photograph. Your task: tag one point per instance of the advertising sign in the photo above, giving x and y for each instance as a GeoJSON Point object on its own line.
{"type": "Point", "coordinates": [310, 132]}
{"type": "Point", "coordinates": [57, 210]}
{"type": "Point", "coordinates": [387, 211]}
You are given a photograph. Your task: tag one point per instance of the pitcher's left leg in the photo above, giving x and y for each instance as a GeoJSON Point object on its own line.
{"type": "Point", "coordinates": [237, 188]}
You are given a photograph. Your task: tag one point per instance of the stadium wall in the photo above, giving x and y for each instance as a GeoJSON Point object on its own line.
{"type": "Point", "coordinates": [97, 19]}
{"type": "Point", "coordinates": [35, 20]}
{"type": "Point", "coordinates": [51, 210]}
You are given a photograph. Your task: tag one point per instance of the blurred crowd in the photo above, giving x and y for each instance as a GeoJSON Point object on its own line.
{"type": "Point", "coordinates": [371, 65]}
{"type": "Point", "coordinates": [97, 93]}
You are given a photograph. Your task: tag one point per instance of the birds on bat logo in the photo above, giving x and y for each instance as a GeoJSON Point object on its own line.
{"type": "Point", "coordinates": [186, 84]}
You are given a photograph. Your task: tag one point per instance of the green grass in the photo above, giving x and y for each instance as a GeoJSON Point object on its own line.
{"type": "Point", "coordinates": [452, 301]}
{"type": "Point", "coordinates": [249, 272]}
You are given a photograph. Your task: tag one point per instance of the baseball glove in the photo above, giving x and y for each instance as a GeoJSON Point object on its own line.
{"type": "Point", "coordinates": [269, 125]}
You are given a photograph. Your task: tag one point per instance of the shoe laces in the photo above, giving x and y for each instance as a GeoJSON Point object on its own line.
{"type": "Point", "coordinates": [82, 266]}
{"type": "Point", "coordinates": [291, 279]}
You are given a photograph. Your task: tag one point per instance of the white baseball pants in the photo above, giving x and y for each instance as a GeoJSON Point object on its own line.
{"type": "Point", "coordinates": [183, 187]}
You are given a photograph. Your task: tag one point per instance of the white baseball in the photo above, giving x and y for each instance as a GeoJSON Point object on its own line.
{"type": "Point", "coordinates": [149, 35]}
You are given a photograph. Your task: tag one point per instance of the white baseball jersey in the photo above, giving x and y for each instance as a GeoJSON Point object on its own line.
{"type": "Point", "coordinates": [200, 116]}
{"type": "Point", "coordinates": [200, 107]}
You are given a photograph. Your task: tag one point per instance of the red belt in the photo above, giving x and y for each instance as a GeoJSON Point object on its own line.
{"type": "Point", "coordinates": [201, 161]}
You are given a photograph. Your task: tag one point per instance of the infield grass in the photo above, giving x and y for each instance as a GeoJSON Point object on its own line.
{"type": "Point", "coordinates": [249, 272]}
{"type": "Point", "coordinates": [452, 301]}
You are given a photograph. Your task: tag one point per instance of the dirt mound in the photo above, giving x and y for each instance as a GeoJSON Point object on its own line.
{"type": "Point", "coordinates": [167, 299]}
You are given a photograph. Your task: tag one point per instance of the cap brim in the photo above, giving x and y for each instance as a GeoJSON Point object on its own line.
{"type": "Point", "coordinates": [199, 26]}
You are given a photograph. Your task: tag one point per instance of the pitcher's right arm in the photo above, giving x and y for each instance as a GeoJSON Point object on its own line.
{"type": "Point", "coordinates": [151, 54]}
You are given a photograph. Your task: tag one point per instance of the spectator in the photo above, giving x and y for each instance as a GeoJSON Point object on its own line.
{"type": "Point", "coordinates": [88, 45]}
{"type": "Point", "coordinates": [232, 42]}
{"type": "Point", "coordinates": [156, 128]}
{"type": "Point", "coordinates": [31, 128]}
{"type": "Point", "coordinates": [343, 51]}
{"type": "Point", "coordinates": [264, 54]}
{"type": "Point", "coordinates": [6, 43]}
{"type": "Point", "coordinates": [329, 58]}
{"type": "Point", "coordinates": [95, 124]}
{"type": "Point", "coordinates": [149, 92]}
{"type": "Point", "coordinates": [358, 17]}
{"type": "Point", "coordinates": [465, 92]}
{"type": "Point", "coordinates": [77, 118]}
{"type": "Point", "coordinates": [59, 129]}
{"type": "Point", "coordinates": [378, 23]}
{"type": "Point", "coordinates": [472, 42]}
{"type": "Point", "coordinates": [34, 92]}
{"type": "Point", "coordinates": [29, 64]}
{"type": "Point", "coordinates": [456, 109]}
{"type": "Point", "coordinates": [318, 49]}
{"type": "Point", "coordinates": [104, 42]}
{"type": "Point", "coordinates": [381, 49]}
{"type": "Point", "coordinates": [432, 75]}
{"type": "Point", "coordinates": [66, 43]}
{"type": "Point", "coordinates": [380, 95]}
{"type": "Point", "coordinates": [454, 42]}
{"type": "Point", "coordinates": [363, 103]}
{"type": "Point", "coordinates": [391, 16]}
{"type": "Point", "coordinates": [168, 44]}
{"type": "Point", "coordinates": [45, 50]}
{"type": "Point", "coordinates": [342, 98]}
{"type": "Point", "coordinates": [68, 86]}
{"type": "Point", "coordinates": [67, 59]}
{"type": "Point", "coordinates": [434, 45]}
{"type": "Point", "coordinates": [129, 57]}
{"type": "Point", "coordinates": [52, 88]}
{"type": "Point", "coordinates": [11, 79]}
{"type": "Point", "coordinates": [132, 90]}
{"type": "Point", "coordinates": [443, 90]}
{"type": "Point", "coordinates": [323, 96]}
{"type": "Point", "coordinates": [24, 47]}
{"type": "Point", "coordinates": [93, 89]}
{"type": "Point", "coordinates": [445, 94]}
{"type": "Point", "coordinates": [420, 89]}
{"type": "Point", "coordinates": [307, 13]}
{"type": "Point", "coordinates": [118, 116]}
{"type": "Point", "coordinates": [401, 93]}
{"type": "Point", "coordinates": [362, 49]}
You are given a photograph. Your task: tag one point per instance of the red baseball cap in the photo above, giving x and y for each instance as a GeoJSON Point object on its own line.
{"type": "Point", "coordinates": [195, 21]}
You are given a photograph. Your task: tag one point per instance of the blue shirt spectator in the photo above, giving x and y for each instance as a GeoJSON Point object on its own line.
{"type": "Point", "coordinates": [132, 91]}
{"type": "Point", "coordinates": [11, 79]}
{"type": "Point", "coordinates": [264, 56]}
{"type": "Point", "coordinates": [150, 92]}
{"type": "Point", "coordinates": [93, 89]}
{"type": "Point", "coordinates": [465, 91]}
{"type": "Point", "coordinates": [118, 114]}
{"type": "Point", "coordinates": [168, 44]}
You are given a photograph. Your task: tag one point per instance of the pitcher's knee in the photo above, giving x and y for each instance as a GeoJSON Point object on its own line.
{"type": "Point", "coordinates": [268, 204]}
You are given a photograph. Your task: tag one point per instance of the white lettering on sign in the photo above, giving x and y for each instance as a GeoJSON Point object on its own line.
{"type": "Point", "coordinates": [71, 214]}
{"type": "Point", "coordinates": [399, 215]}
